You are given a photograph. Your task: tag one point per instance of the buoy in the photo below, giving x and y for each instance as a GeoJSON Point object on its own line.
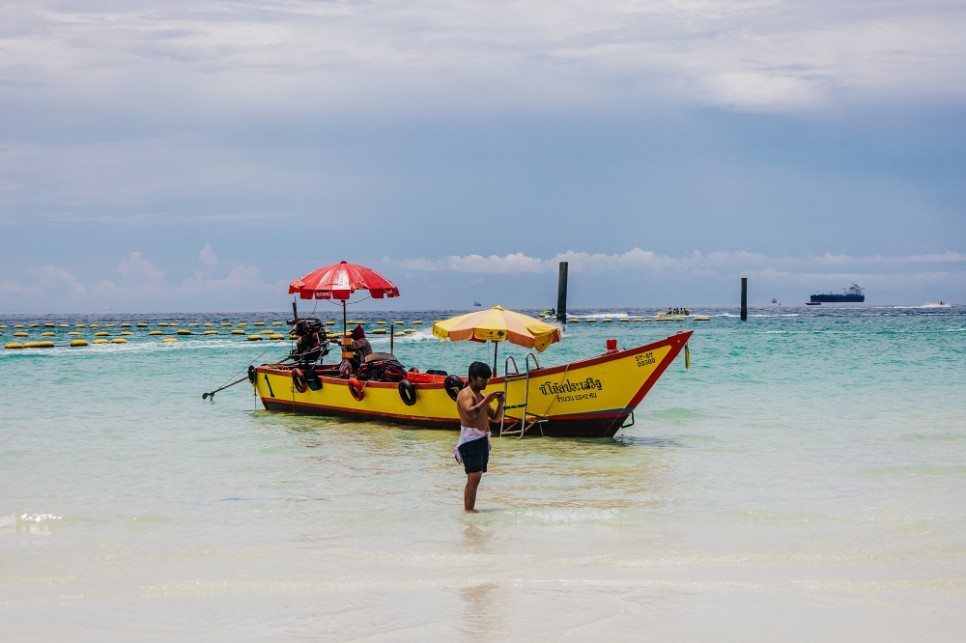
{"type": "Point", "coordinates": [155, 332]}
{"type": "Point", "coordinates": [355, 388]}
{"type": "Point", "coordinates": [101, 333]}
{"type": "Point", "coordinates": [277, 336]}
{"type": "Point", "coordinates": [237, 331]}
{"type": "Point", "coordinates": [119, 340]}
{"type": "Point", "coordinates": [184, 331]}
{"type": "Point", "coordinates": [253, 338]}
{"type": "Point", "coordinates": [14, 345]}
{"type": "Point", "coordinates": [168, 340]}
{"type": "Point", "coordinates": [210, 332]}
{"type": "Point", "coordinates": [78, 342]}
{"type": "Point", "coordinates": [298, 381]}
{"type": "Point", "coordinates": [48, 334]}
{"type": "Point", "coordinates": [100, 341]}
{"type": "Point", "coordinates": [38, 345]}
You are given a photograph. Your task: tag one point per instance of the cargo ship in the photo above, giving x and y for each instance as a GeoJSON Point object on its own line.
{"type": "Point", "coordinates": [853, 294]}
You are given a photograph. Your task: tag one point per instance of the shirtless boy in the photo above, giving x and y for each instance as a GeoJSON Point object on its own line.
{"type": "Point", "coordinates": [476, 414]}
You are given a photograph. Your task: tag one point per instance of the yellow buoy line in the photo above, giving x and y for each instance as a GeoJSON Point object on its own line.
{"type": "Point", "coordinates": [28, 335]}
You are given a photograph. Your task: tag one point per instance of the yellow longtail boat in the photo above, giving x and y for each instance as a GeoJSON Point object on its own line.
{"type": "Point", "coordinates": [588, 398]}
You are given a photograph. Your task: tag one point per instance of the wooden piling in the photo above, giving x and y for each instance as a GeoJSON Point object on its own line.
{"type": "Point", "coordinates": [562, 293]}
{"type": "Point", "coordinates": [744, 298]}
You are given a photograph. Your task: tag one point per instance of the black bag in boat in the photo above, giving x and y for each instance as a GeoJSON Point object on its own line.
{"type": "Point", "coordinates": [382, 370]}
{"type": "Point", "coordinates": [312, 379]}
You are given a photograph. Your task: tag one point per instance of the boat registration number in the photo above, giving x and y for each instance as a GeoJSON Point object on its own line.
{"type": "Point", "coordinates": [645, 360]}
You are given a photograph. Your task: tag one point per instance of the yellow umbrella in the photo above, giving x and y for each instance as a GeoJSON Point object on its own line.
{"type": "Point", "coordinates": [497, 325]}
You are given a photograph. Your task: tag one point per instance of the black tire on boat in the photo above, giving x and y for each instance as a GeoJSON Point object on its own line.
{"type": "Point", "coordinates": [453, 385]}
{"type": "Point", "coordinates": [407, 391]}
{"type": "Point", "coordinates": [251, 374]}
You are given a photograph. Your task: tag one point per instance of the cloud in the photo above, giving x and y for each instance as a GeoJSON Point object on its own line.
{"type": "Point", "coordinates": [56, 282]}
{"type": "Point", "coordinates": [137, 270]}
{"type": "Point", "coordinates": [639, 260]}
{"type": "Point", "coordinates": [207, 255]}
{"type": "Point", "coordinates": [304, 57]}
{"type": "Point", "coordinates": [517, 263]}
{"type": "Point", "coordinates": [513, 279]}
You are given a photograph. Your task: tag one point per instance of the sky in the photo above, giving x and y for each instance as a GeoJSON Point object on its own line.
{"type": "Point", "coordinates": [199, 155]}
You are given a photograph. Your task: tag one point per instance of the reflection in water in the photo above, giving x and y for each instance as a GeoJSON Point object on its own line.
{"type": "Point", "coordinates": [478, 540]}
{"type": "Point", "coordinates": [482, 614]}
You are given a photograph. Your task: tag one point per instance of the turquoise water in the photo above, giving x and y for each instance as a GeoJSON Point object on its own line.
{"type": "Point", "coordinates": [802, 481]}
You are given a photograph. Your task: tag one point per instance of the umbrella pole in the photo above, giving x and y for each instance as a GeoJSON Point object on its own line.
{"type": "Point", "coordinates": [495, 346]}
{"type": "Point", "coordinates": [344, 341]}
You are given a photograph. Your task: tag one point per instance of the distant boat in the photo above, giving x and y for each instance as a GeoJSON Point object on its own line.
{"type": "Point", "coordinates": [476, 303]}
{"type": "Point", "coordinates": [854, 294]}
{"type": "Point", "coordinates": [776, 301]}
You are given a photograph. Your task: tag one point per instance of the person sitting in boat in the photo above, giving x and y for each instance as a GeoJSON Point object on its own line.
{"type": "Point", "coordinates": [359, 348]}
{"type": "Point", "coordinates": [310, 342]}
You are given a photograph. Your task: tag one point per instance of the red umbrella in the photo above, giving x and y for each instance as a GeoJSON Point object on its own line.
{"type": "Point", "coordinates": [339, 281]}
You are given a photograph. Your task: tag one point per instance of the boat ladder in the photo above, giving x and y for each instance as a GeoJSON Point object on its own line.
{"type": "Point", "coordinates": [523, 419]}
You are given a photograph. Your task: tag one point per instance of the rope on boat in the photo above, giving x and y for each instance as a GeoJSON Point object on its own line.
{"type": "Point", "coordinates": [211, 394]}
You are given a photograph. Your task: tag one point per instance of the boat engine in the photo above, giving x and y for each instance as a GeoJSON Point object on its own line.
{"type": "Point", "coordinates": [311, 343]}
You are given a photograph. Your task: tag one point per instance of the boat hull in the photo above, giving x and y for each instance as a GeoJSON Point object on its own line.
{"type": "Point", "coordinates": [837, 299]}
{"type": "Point", "coordinates": [590, 398]}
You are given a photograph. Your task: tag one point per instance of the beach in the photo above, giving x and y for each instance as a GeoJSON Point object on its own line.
{"type": "Point", "coordinates": [801, 481]}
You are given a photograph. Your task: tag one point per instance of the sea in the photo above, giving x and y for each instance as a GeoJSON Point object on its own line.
{"type": "Point", "coordinates": [803, 480]}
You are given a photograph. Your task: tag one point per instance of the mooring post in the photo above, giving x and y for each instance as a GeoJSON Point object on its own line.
{"type": "Point", "coordinates": [562, 293]}
{"type": "Point", "coordinates": [744, 299]}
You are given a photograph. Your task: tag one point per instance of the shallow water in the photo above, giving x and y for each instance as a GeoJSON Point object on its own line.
{"type": "Point", "coordinates": [801, 481]}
